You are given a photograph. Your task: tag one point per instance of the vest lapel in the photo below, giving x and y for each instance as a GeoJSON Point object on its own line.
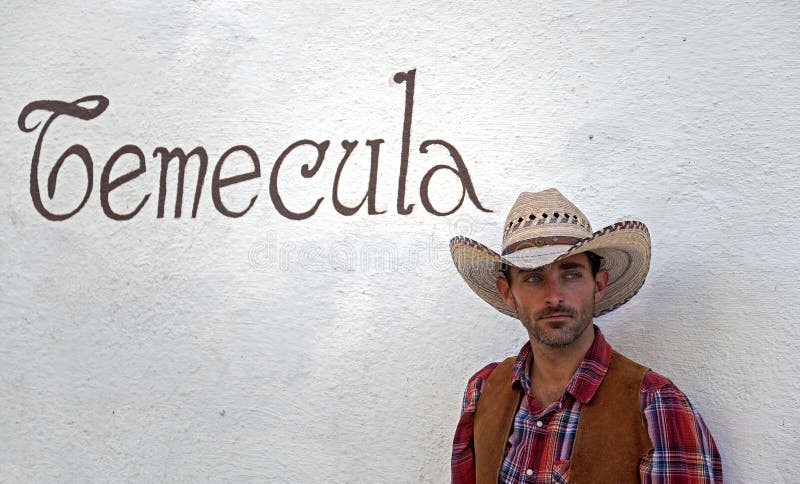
{"type": "Point", "coordinates": [494, 417]}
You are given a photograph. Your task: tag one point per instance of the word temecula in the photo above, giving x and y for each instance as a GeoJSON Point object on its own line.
{"type": "Point", "coordinates": [107, 185]}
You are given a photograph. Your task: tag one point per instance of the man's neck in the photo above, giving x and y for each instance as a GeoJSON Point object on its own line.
{"type": "Point", "coordinates": [554, 366]}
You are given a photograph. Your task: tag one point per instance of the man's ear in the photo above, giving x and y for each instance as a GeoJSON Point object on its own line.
{"type": "Point", "coordinates": [600, 284]}
{"type": "Point", "coordinates": [505, 291]}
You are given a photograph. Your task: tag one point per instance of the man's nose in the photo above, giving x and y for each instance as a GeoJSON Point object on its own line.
{"type": "Point", "coordinates": [553, 291]}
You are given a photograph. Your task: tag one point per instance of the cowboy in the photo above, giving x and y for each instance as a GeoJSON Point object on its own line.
{"type": "Point", "coordinates": [568, 408]}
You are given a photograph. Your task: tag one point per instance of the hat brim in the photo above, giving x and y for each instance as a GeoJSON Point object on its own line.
{"type": "Point", "coordinates": [624, 246]}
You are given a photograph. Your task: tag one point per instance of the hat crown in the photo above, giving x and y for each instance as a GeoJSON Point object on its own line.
{"type": "Point", "coordinates": [546, 213]}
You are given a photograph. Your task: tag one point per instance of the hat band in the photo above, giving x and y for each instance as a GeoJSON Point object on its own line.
{"type": "Point", "coordinates": [540, 242]}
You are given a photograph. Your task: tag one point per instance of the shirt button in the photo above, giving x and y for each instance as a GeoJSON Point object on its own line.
{"type": "Point", "coordinates": [539, 423]}
{"type": "Point", "coordinates": [529, 472]}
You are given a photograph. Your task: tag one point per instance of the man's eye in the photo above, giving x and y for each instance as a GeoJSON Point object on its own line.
{"type": "Point", "coordinates": [573, 275]}
{"type": "Point", "coordinates": [533, 279]}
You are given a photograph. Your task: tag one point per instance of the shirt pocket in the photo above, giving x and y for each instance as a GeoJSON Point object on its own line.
{"type": "Point", "coordinates": [561, 472]}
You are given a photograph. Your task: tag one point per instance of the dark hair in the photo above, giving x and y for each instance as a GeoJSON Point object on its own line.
{"type": "Point", "coordinates": [594, 263]}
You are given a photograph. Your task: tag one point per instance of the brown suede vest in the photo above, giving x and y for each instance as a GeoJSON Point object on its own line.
{"type": "Point", "coordinates": [610, 439]}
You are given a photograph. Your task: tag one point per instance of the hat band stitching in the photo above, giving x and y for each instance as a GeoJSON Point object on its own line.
{"type": "Point", "coordinates": [540, 242]}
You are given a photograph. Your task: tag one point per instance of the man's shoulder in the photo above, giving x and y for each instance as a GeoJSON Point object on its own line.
{"type": "Point", "coordinates": [659, 390]}
{"type": "Point", "coordinates": [476, 382]}
{"type": "Point", "coordinates": [474, 386]}
{"type": "Point", "coordinates": [652, 382]}
{"type": "Point", "coordinates": [484, 372]}
{"type": "Point", "coordinates": [481, 375]}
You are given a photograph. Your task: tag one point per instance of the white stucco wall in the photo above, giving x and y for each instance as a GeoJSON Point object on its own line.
{"type": "Point", "coordinates": [266, 349]}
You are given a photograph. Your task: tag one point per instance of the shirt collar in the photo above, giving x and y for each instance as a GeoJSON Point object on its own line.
{"type": "Point", "coordinates": [584, 382]}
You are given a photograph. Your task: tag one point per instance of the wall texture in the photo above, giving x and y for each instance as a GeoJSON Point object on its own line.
{"type": "Point", "coordinates": [336, 348]}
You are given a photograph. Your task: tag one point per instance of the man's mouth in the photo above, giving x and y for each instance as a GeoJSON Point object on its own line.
{"type": "Point", "coordinates": [557, 316]}
{"type": "Point", "coordinates": [557, 312]}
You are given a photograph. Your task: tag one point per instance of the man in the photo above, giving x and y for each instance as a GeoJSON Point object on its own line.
{"type": "Point", "coordinates": [568, 408]}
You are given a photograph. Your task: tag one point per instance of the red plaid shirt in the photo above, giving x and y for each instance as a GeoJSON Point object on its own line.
{"type": "Point", "coordinates": [540, 443]}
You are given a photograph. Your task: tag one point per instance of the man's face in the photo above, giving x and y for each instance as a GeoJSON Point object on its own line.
{"type": "Point", "coordinates": [556, 304]}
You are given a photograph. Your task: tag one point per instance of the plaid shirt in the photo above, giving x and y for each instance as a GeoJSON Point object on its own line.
{"type": "Point", "coordinates": [540, 444]}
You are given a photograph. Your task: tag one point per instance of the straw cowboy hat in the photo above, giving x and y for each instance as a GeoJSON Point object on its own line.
{"type": "Point", "coordinates": [543, 227]}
